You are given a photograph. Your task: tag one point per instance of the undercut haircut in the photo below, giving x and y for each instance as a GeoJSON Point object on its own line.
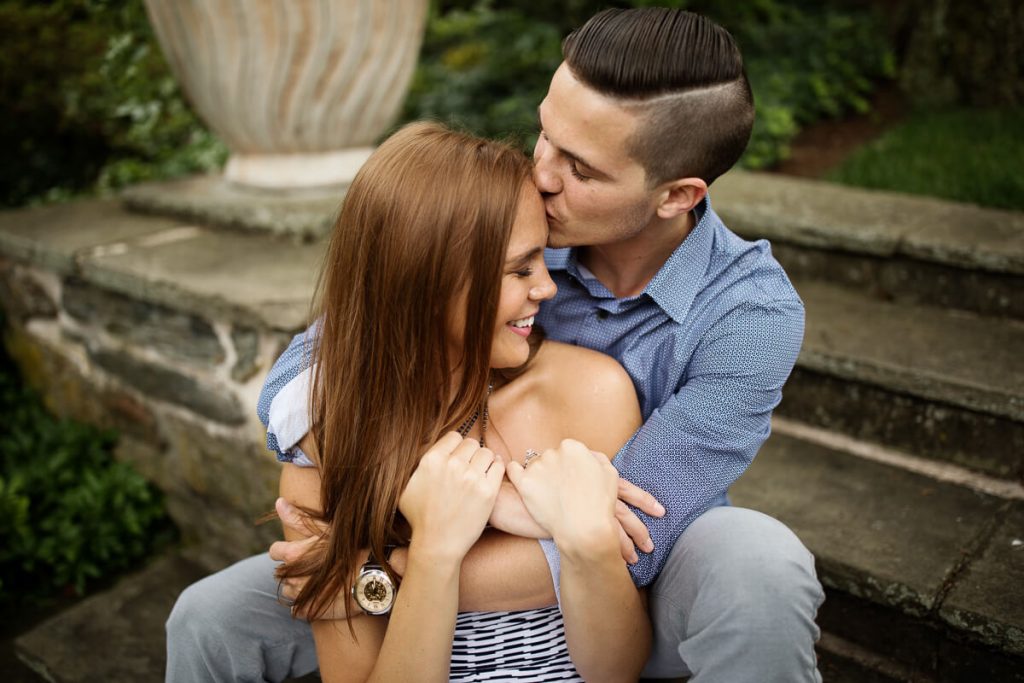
{"type": "Point", "coordinates": [682, 74]}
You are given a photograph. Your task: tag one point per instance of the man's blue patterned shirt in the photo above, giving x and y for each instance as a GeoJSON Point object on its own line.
{"type": "Point", "coordinates": [708, 343]}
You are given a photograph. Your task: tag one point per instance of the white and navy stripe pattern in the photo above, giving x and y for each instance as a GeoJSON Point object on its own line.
{"type": "Point", "coordinates": [511, 646]}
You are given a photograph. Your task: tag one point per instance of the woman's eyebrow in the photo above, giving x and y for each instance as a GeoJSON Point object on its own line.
{"type": "Point", "coordinates": [523, 258]}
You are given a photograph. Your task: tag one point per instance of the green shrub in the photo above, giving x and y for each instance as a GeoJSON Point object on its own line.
{"type": "Point", "coordinates": [487, 69]}
{"type": "Point", "coordinates": [92, 105]}
{"type": "Point", "coordinates": [95, 107]}
{"type": "Point", "coordinates": [807, 63]}
{"type": "Point", "coordinates": [69, 514]}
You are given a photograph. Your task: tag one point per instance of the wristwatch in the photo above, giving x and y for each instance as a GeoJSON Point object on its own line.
{"type": "Point", "coordinates": [373, 590]}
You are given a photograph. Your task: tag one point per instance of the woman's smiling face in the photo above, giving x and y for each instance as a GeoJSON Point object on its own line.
{"type": "Point", "coordinates": [525, 282]}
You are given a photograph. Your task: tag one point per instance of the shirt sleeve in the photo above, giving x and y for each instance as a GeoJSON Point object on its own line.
{"type": "Point", "coordinates": [690, 450]}
{"type": "Point", "coordinates": [287, 421]}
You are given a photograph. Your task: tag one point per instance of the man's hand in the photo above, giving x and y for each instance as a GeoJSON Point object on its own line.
{"type": "Point", "coordinates": [634, 531]}
{"type": "Point", "coordinates": [305, 533]}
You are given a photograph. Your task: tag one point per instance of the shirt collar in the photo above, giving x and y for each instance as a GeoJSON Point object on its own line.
{"type": "Point", "coordinates": [677, 282]}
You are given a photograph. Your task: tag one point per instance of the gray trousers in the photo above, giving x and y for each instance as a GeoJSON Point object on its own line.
{"type": "Point", "coordinates": [735, 602]}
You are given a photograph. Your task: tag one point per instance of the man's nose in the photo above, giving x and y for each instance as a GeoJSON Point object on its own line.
{"type": "Point", "coordinates": [544, 175]}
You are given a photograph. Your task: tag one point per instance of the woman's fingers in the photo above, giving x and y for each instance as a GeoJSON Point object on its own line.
{"type": "Point", "coordinates": [496, 473]}
{"type": "Point", "coordinates": [515, 472]}
{"type": "Point", "coordinates": [481, 461]}
{"type": "Point", "coordinates": [466, 450]}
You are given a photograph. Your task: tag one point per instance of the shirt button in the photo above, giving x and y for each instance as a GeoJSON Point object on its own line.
{"type": "Point", "coordinates": [602, 314]}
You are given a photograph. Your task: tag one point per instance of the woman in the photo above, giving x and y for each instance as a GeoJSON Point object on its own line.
{"type": "Point", "coordinates": [426, 303]}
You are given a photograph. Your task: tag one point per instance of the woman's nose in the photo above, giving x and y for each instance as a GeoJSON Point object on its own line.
{"type": "Point", "coordinates": [544, 290]}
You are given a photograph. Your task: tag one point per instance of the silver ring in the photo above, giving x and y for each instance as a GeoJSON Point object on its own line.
{"type": "Point", "coordinates": [531, 455]}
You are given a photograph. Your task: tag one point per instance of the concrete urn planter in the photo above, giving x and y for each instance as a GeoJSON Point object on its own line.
{"type": "Point", "coordinates": [299, 90]}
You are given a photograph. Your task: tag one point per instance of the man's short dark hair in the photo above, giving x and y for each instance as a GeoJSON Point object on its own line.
{"type": "Point", "coordinates": [682, 73]}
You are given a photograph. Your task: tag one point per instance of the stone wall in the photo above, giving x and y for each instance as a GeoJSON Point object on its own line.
{"type": "Point", "coordinates": [179, 386]}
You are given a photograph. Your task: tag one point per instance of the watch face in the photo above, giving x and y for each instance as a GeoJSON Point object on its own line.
{"type": "Point", "coordinates": [374, 591]}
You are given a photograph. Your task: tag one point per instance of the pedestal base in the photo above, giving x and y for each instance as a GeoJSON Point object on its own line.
{"type": "Point", "coordinates": [307, 213]}
{"type": "Point", "coordinates": [290, 171]}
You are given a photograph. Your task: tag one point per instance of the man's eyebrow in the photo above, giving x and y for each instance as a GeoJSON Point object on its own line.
{"type": "Point", "coordinates": [575, 157]}
{"type": "Point", "coordinates": [523, 258]}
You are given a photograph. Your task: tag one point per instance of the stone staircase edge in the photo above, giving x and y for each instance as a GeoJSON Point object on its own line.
{"type": "Point", "coordinates": [960, 247]}
{"type": "Point", "coordinates": [917, 383]}
{"type": "Point", "coordinates": [86, 262]}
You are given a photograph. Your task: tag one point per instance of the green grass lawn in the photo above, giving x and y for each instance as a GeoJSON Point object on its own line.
{"type": "Point", "coordinates": [966, 155]}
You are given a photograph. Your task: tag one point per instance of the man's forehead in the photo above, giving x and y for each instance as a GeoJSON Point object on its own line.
{"type": "Point", "coordinates": [585, 122]}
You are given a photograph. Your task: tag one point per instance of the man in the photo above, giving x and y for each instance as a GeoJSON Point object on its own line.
{"type": "Point", "coordinates": [649, 107]}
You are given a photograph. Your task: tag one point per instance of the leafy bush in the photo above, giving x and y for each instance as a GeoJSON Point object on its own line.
{"type": "Point", "coordinates": [807, 63]}
{"type": "Point", "coordinates": [69, 514]}
{"type": "Point", "coordinates": [93, 105]}
{"type": "Point", "coordinates": [487, 69]}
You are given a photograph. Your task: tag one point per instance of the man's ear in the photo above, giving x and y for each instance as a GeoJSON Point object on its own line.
{"type": "Point", "coordinates": [680, 196]}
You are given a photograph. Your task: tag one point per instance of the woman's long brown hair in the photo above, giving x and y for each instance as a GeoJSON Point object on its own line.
{"type": "Point", "coordinates": [428, 217]}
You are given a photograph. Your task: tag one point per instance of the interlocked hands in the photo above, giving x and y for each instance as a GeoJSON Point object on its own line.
{"type": "Point", "coordinates": [571, 492]}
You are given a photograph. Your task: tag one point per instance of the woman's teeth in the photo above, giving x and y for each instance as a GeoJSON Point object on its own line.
{"type": "Point", "coordinates": [522, 322]}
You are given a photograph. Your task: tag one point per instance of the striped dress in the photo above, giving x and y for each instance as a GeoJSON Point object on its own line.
{"type": "Point", "coordinates": [511, 646]}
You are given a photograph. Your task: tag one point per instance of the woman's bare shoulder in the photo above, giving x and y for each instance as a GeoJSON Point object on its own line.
{"type": "Point", "coordinates": [592, 392]}
{"type": "Point", "coordinates": [569, 367]}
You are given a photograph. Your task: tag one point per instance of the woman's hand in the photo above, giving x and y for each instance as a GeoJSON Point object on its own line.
{"type": "Point", "coordinates": [451, 495]}
{"type": "Point", "coordinates": [511, 516]}
{"type": "Point", "coordinates": [572, 493]}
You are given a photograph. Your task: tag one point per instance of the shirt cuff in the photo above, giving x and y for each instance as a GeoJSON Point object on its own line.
{"type": "Point", "coordinates": [288, 420]}
{"type": "Point", "coordinates": [554, 565]}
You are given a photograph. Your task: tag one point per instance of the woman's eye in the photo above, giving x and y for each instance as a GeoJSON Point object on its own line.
{"type": "Point", "coordinates": [525, 272]}
{"type": "Point", "coordinates": [576, 172]}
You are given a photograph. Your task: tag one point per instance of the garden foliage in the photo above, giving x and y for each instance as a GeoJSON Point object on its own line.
{"type": "Point", "coordinates": [90, 103]}
{"type": "Point", "coordinates": [486, 65]}
{"type": "Point", "coordinates": [69, 514]}
{"type": "Point", "coordinates": [94, 107]}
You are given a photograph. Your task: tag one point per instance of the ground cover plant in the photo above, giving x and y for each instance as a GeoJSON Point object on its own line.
{"type": "Point", "coordinates": [70, 515]}
{"type": "Point", "coordinates": [967, 155]}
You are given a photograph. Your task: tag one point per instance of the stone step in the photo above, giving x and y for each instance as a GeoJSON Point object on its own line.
{"type": "Point", "coordinates": [925, 574]}
{"type": "Point", "coordinates": [116, 636]}
{"type": "Point", "coordinates": [938, 383]}
{"type": "Point", "coordinates": [842, 662]}
{"type": "Point", "coordinates": [898, 247]}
